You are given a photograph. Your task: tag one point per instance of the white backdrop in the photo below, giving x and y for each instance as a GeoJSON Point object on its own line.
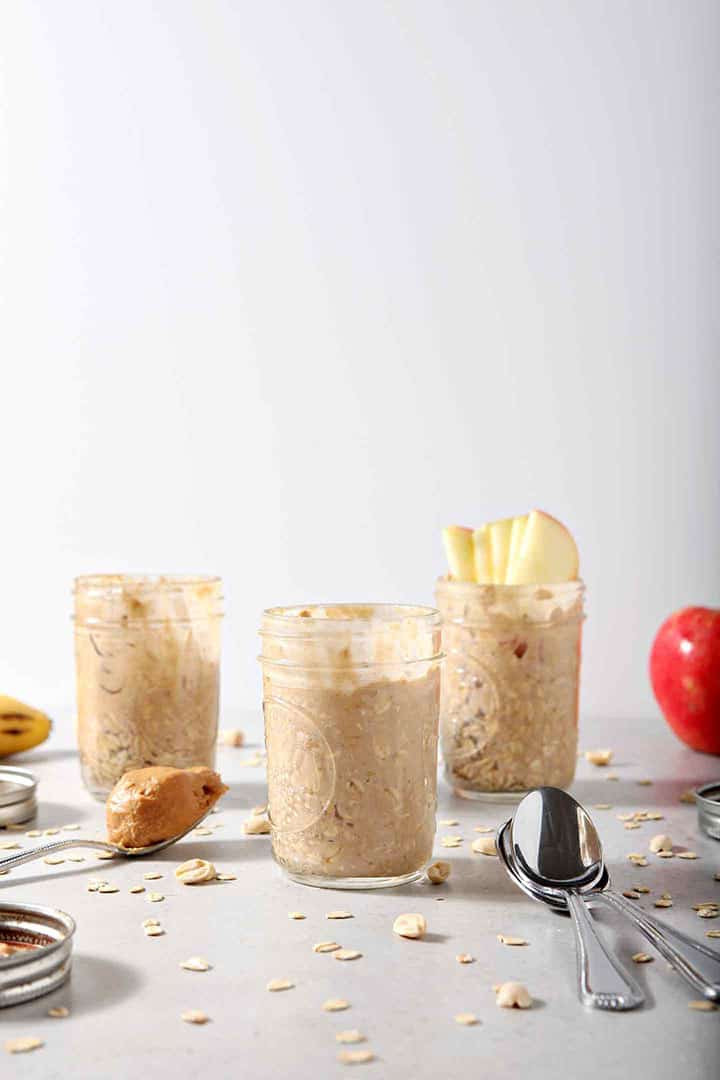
{"type": "Point", "coordinates": [287, 286]}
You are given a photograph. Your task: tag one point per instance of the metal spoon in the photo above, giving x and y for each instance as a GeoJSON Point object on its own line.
{"type": "Point", "coordinates": [538, 839]}
{"type": "Point", "coordinates": [554, 898]}
{"type": "Point", "coordinates": [577, 853]}
{"type": "Point", "coordinates": [101, 845]}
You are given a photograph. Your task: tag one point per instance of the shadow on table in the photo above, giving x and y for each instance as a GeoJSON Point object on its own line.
{"type": "Point", "coordinates": [95, 984]}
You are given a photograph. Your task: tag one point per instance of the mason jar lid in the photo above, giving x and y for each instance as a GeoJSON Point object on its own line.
{"type": "Point", "coordinates": [42, 961]}
{"type": "Point", "coordinates": [18, 800]}
{"type": "Point", "coordinates": [707, 799]}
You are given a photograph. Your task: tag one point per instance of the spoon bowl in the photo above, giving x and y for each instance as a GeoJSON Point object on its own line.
{"type": "Point", "coordinates": [554, 840]}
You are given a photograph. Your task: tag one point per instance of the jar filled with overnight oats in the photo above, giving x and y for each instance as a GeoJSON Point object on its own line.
{"type": "Point", "coordinates": [509, 713]}
{"type": "Point", "coordinates": [147, 660]}
{"type": "Point", "coordinates": [351, 697]}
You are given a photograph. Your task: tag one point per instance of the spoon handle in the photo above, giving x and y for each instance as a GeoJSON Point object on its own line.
{"type": "Point", "coordinates": [49, 849]}
{"type": "Point", "coordinates": [602, 982]}
{"type": "Point", "coordinates": [697, 963]}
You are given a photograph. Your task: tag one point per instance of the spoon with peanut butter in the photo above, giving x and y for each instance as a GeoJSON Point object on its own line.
{"type": "Point", "coordinates": [147, 811]}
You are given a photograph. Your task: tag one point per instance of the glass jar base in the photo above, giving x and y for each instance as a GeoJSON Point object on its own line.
{"type": "Point", "coordinates": [318, 882]}
{"type": "Point", "coordinates": [489, 796]}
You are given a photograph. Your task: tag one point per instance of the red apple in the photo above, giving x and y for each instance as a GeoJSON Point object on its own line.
{"type": "Point", "coordinates": [685, 676]}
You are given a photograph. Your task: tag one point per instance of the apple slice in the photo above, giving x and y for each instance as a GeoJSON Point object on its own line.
{"type": "Point", "coordinates": [460, 552]}
{"type": "Point", "coordinates": [516, 535]}
{"type": "Point", "coordinates": [548, 553]}
{"type": "Point", "coordinates": [483, 556]}
{"type": "Point", "coordinates": [500, 546]}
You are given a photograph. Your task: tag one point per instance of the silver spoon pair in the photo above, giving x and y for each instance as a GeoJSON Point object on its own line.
{"type": "Point", "coordinates": [44, 850]}
{"type": "Point", "coordinates": [551, 849]}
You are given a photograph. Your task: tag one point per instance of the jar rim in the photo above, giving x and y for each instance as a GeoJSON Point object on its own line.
{"type": "Point", "coordinates": [575, 585]}
{"type": "Point", "coordinates": [143, 582]}
{"type": "Point", "coordinates": [359, 614]}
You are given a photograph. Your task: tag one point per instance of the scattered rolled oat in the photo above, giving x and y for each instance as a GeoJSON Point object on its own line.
{"type": "Point", "coordinates": [150, 922]}
{"type": "Point", "coordinates": [347, 954]}
{"type": "Point", "coordinates": [642, 958]}
{"type": "Point", "coordinates": [34, 832]}
{"type": "Point", "coordinates": [256, 826]}
{"type": "Point", "coordinates": [599, 757]}
{"type": "Point", "coordinates": [504, 940]}
{"type": "Point", "coordinates": [326, 946]}
{"type": "Point", "coordinates": [104, 855]}
{"type": "Point", "coordinates": [465, 958]}
{"type": "Point", "coordinates": [612, 776]}
{"type": "Point", "coordinates": [53, 860]}
{"type": "Point", "coordinates": [467, 1019]}
{"type": "Point", "coordinates": [275, 985]}
{"type": "Point", "coordinates": [155, 897]}
{"type": "Point", "coordinates": [702, 1006]}
{"type": "Point", "coordinates": [195, 963]}
{"type": "Point", "coordinates": [335, 1005]}
{"type": "Point", "coordinates": [438, 872]}
{"type": "Point", "coordinates": [154, 931]}
{"type": "Point", "coordinates": [50, 832]}
{"type": "Point", "coordinates": [602, 806]}
{"type": "Point", "coordinates": [512, 995]}
{"type": "Point", "coordinates": [194, 1016]}
{"type": "Point", "coordinates": [625, 817]}
{"type": "Point", "coordinates": [23, 1046]}
{"type": "Point", "coordinates": [484, 845]}
{"type": "Point", "coordinates": [93, 885]}
{"type": "Point", "coordinates": [637, 860]}
{"type": "Point", "coordinates": [706, 904]}
{"type": "Point", "coordinates": [644, 783]}
{"type": "Point", "coordinates": [687, 797]}
{"type": "Point", "coordinates": [410, 926]}
{"type": "Point", "coordinates": [662, 903]}
{"type": "Point", "coordinates": [195, 871]}
{"type": "Point", "coordinates": [631, 825]}
{"type": "Point", "coordinates": [73, 827]}
{"type": "Point", "coordinates": [686, 855]}
{"type": "Point", "coordinates": [641, 888]}
{"type": "Point", "coordinates": [8, 845]}
{"type": "Point", "coordinates": [449, 822]}
{"type": "Point", "coordinates": [709, 913]}
{"type": "Point", "coordinates": [152, 875]}
{"type": "Point", "coordinates": [351, 1036]}
{"type": "Point", "coordinates": [58, 1012]}
{"type": "Point", "coordinates": [451, 841]}
{"type": "Point", "coordinates": [232, 737]}
{"type": "Point", "coordinates": [665, 854]}
{"type": "Point", "coordinates": [108, 889]}
{"type": "Point", "coordinates": [712, 933]}
{"type": "Point", "coordinates": [484, 829]}
{"type": "Point", "coordinates": [355, 1057]}
{"type": "Point", "coordinates": [202, 831]}
{"type": "Point", "coordinates": [137, 889]}
{"type": "Point", "coordinates": [716, 876]}
{"type": "Point", "coordinates": [631, 894]}
{"type": "Point", "coordinates": [661, 842]}
{"type": "Point", "coordinates": [339, 915]}
{"type": "Point", "coordinates": [296, 915]}
{"type": "Point", "coordinates": [225, 877]}
{"type": "Point", "coordinates": [75, 858]}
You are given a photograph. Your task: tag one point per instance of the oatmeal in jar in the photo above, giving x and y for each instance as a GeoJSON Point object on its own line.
{"type": "Point", "coordinates": [509, 711]}
{"type": "Point", "coordinates": [147, 652]}
{"type": "Point", "coordinates": [351, 699]}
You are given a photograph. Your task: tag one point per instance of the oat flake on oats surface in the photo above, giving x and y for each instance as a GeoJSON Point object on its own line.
{"type": "Point", "coordinates": [22, 1046]}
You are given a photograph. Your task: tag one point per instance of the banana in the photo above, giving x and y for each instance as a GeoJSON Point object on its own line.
{"type": "Point", "coordinates": [21, 727]}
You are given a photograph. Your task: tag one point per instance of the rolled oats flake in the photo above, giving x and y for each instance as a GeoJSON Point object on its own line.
{"type": "Point", "coordinates": [467, 1019]}
{"type": "Point", "coordinates": [296, 915]}
{"type": "Point", "coordinates": [347, 954]}
{"type": "Point", "coordinates": [712, 933]}
{"type": "Point", "coordinates": [154, 931]}
{"type": "Point", "coordinates": [512, 995]}
{"type": "Point", "coordinates": [686, 855]}
{"type": "Point", "coordinates": [226, 877]}
{"type": "Point", "coordinates": [137, 889]}
{"type": "Point", "coordinates": [451, 841]}
{"type": "Point", "coordinates": [448, 822]}
{"type": "Point", "coordinates": [505, 940]}
{"type": "Point", "coordinates": [195, 872]}
{"type": "Point", "coordinates": [50, 832]}
{"type": "Point", "coordinates": [335, 1005]}
{"type": "Point", "coordinates": [276, 985]}
{"type": "Point", "coordinates": [58, 1012]}
{"type": "Point", "coordinates": [660, 842]}
{"type": "Point", "coordinates": [108, 889]}
{"type": "Point", "coordinates": [702, 1006]}
{"type": "Point", "coordinates": [194, 1016]}
{"type": "Point", "coordinates": [73, 827]}
{"type": "Point", "coordinates": [258, 811]}
{"type": "Point", "coordinates": [438, 872]}
{"type": "Point", "coordinates": [410, 926]}
{"type": "Point", "coordinates": [661, 903]}
{"type": "Point", "coordinates": [54, 860]}
{"type": "Point", "coordinates": [152, 875]}
{"type": "Point", "coordinates": [351, 1036]}
{"type": "Point", "coordinates": [150, 922]}
{"type": "Point", "coordinates": [256, 826]}
{"type": "Point", "coordinates": [8, 845]}
{"type": "Point", "coordinates": [688, 797]}
{"type": "Point", "coordinates": [155, 897]}
{"type": "Point", "coordinates": [23, 1046]}
{"type": "Point", "coordinates": [355, 1057]}
{"type": "Point", "coordinates": [464, 958]}
{"type": "Point", "coordinates": [484, 845]}
{"type": "Point", "coordinates": [484, 829]}
{"type": "Point", "coordinates": [195, 963]}
{"type": "Point", "coordinates": [339, 915]}
{"type": "Point", "coordinates": [326, 946]}
{"type": "Point", "coordinates": [642, 958]}
{"type": "Point", "coordinates": [709, 913]}
{"type": "Point", "coordinates": [599, 757]}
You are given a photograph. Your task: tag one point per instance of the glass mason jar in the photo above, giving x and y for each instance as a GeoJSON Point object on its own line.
{"type": "Point", "coordinates": [351, 697]}
{"type": "Point", "coordinates": [509, 713]}
{"type": "Point", "coordinates": [147, 659]}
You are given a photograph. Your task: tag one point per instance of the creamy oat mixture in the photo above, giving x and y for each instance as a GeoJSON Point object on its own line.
{"type": "Point", "coordinates": [510, 692]}
{"type": "Point", "coordinates": [352, 748]}
{"type": "Point", "coordinates": [147, 668]}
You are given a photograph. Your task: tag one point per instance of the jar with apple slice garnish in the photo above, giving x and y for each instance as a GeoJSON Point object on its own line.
{"type": "Point", "coordinates": [509, 714]}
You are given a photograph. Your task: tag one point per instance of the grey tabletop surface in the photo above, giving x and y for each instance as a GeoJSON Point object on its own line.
{"type": "Point", "coordinates": [127, 991]}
